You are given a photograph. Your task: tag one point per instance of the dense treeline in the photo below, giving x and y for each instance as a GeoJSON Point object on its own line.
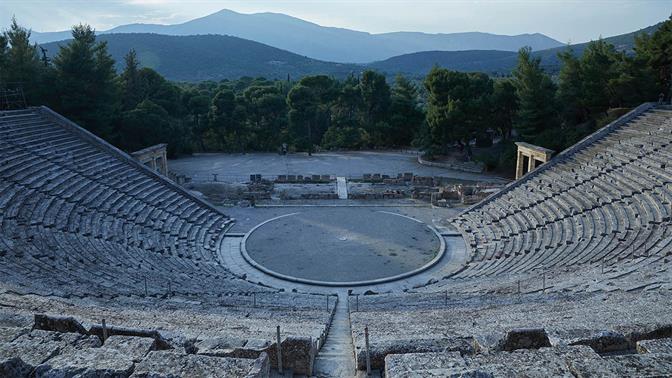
{"type": "Point", "coordinates": [448, 111]}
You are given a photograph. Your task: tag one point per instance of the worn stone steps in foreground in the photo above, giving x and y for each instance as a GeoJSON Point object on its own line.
{"type": "Point", "coordinates": [574, 361]}
{"type": "Point", "coordinates": [70, 350]}
{"type": "Point", "coordinates": [426, 322]}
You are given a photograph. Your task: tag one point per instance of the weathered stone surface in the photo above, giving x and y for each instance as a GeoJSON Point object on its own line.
{"type": "Point", "coordinates": [160, 342]}
{"type": "Point", "coordinates": [655, 346]}
{"type": "Point", "coordinates": [260, 368]}
{"type": "Point", "coordinates": [380, 349]}
{"type": "Point", "coordinates": [115, 358]}
{"type": "Point", "coordinates": [543, 362]}
{"type": "Point", "coordinates": [38, 346]}
{"type": "Point", "coordinates": [170, 364]}
{"type": "Point", "coordinates": [27, 351]}
{"type": "Point", "coordinates": [577, 320]}
{"type": "Point", "coordinates": [58, 324]}
{"type": "Point", "coordinates": [90, 362]}
{"type": "Point", "coordinates": [219, 347]}
{"type": "Point", "coordinates": [642, 365]}
{"type": "Point", "coordinates": [14, 367]}
{"type": "Point", "coordinates": [8, 334]}
{"type": "Point", "coordinates": [605, 341]}
{"type": "Point", "coordinates": [134, 347]}
{"type": "Point", "coordinates": [421, 364]}
{"type": "Point", "coordinates": [298, 354]}
{"type": "Point", "coordinates": [525, 338]}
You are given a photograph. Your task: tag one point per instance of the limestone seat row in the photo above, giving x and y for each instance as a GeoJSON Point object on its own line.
{"type": "Point", "coordinates": [87, 231]}
{"type": "Point", "coordinates": [608, 200]}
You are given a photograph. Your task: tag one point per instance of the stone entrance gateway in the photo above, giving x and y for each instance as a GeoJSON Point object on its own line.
{"type": "Point", "coordinates": [155, 157]}
{"type": "Point", "coordinates": [530, 157]}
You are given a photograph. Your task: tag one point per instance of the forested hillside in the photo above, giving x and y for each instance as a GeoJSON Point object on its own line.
{"type": "Point", "coordinates": [492, 61]}
{"type": "Point", "coordinates": [211, 57]}
{"type": "Point", "coordinates": [419, 64]}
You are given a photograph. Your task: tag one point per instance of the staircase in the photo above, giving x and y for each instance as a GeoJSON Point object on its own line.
{"type": "Point", "coordinates": [337, 357]}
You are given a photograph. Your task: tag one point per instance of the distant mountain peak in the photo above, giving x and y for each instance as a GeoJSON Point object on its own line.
{"type": "Point", "coordinates": [325, 43]}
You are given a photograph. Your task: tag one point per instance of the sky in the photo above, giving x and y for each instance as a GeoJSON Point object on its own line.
{"type": "Point", "coordinates": [569, 21]}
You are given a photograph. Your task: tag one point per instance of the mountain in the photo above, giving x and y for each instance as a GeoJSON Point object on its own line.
{"type": "Point", "coordinates": [622, 42]}
{"type": "Point", "coordinates": [216, 57]}
{"type": "Point", "coordinates": [326, 43]}
{"type": "Point", "coordinates": [491, 61]}
{"type": "Point", "coordinates": [212, 57]}
{"type": "Point", "coordinates": [418, 64]}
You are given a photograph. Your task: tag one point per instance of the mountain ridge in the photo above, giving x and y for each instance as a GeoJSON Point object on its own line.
{"type": "Point", "coordinates": [492, 61]}
{"type": "Point", "coordinates": [326, 43]}
{"type": "Point", "coordinates": [228, 57]}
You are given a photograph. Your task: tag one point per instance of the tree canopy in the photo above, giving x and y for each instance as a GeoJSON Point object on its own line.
{"type": "Point", "coordinates": [447, 111]}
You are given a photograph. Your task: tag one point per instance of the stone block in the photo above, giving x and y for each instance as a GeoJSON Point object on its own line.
{"type": "Point", "coordinates": [315, 177]}
{"type": "Point", "coordinates": [291, 178]}
{"type": "Point", "coordinates": [160, 342]}
{"type": "Point", "coordinates": [134, 347]}
{"type": "Point", "coordinates": [38, 346]}
{"type": "Point", "coordinates": [544, 362]}
{"type": "Point", "coordinates": [8, 334]}
{"type": "Point", "coordinates": [379, 350]}
{"type": "Point", "coordinates": [639, 365]}
{"type": "Point", "coordinates": [219, 347]}
{"type": "Point", "coordinates": [326, 178]}
{"type": "Point", "coordinates": [605, 341]}
{"type": "Point", "coordinates": [298, 354]}
{"type": "Point", "coordinates": [405, 365]}
{"type": "Point", "coordinates": [281, 178]}
{"type": "Point", "coordinates": [58, 324]}
{"type": "Point", "coordinates": [170, 364]}
{"type": "Point", "coordinates": [91, 362]}
{"type": "Point", "coordinates": [655, 346]}
{"type": "Point", "coordinates": [525, 338]}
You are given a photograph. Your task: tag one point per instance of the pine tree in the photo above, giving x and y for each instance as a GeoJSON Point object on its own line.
{"type": "Point", "coordinates": [536, 92]}
{"type": "Point", "coordinates": [406, 117]}
{"type": "Point", "coordinates": [504, 106]}
{"type": "Point", "coordinates": [657, 51]}
{"type": "Point", "coordinates": [22, 66]}
{"type": "Point", "coordinates": [570, 89]}
{"type": "Point", "coordinates": [130, 82]}
{"type": "Point", "coordinates": [85, 71]}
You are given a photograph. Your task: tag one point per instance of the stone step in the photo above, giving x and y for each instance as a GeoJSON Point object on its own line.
{"type": "Point", "coordinates": [336, 357]}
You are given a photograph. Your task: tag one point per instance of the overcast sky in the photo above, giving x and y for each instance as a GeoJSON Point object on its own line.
{"type": "Point", "coordinates": [567, 21]}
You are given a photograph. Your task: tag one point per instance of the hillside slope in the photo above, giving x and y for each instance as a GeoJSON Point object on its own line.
{"type": "Point", "coordinates": [212, 57]}
{"type": "Point", "coordinates": [416, 64]}
{"type": "Point", "coordinates": [489, 61]}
